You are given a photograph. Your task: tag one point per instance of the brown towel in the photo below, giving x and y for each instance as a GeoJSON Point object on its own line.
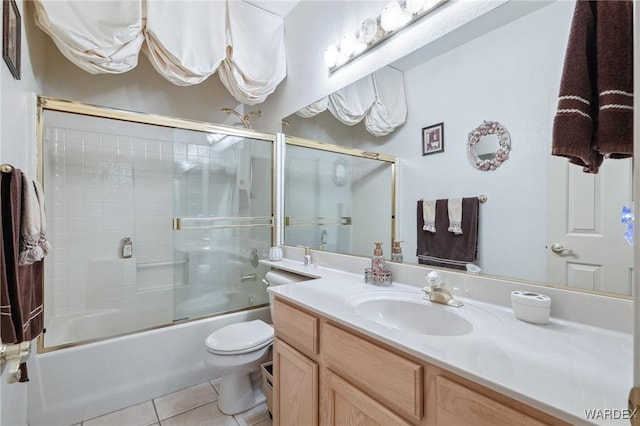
{"type": "Point", "coordinates": [20, 285]}
{"type": "Point", "coordinates": [443, 248]}
{"type": "Point", "coordinates": [595, 107]}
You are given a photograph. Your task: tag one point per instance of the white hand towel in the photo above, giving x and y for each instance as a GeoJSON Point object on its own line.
{"type": "Point", "coordinates": [33, 242]}
{"type": "Point", "coordinates": [429, 215]}
{"type": "Point", "coordinates": [43, 242]}
{"type": "Point", "coordinates": [454, 207]}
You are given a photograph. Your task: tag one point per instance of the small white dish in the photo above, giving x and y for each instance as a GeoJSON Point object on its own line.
{"type": "Point", "coordinates": [531, 307]}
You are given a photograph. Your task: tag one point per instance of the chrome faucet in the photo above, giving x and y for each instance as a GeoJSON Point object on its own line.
{"type": "Point", "coordinates": [436, 292]}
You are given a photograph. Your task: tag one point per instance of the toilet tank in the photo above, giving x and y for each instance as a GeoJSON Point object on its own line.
{"type": "Point", "coordinates": [279, 277]}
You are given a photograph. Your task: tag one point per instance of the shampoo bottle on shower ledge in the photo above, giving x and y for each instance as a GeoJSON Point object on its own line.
{"type": "Point", "coordinates": [377, 260]}
{"type": "Point", "coordinates": [126, 248]}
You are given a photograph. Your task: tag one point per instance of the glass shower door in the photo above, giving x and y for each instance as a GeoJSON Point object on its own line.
{"type": "Point", "coordinates": [335, 201]}
{"type": "Point", "coordinates": [197, 205]}
{"type": "Point", "coordinates": [222, 222]}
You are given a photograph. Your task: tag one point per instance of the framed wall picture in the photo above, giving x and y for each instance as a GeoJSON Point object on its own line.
{"type": "Point", "coordinates": [433, 139]}
{"type": "Point", "coordinates": [11, 31]}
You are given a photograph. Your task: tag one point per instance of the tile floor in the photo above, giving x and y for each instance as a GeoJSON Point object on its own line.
{"type": "Point", "coordinates": [194, 406]}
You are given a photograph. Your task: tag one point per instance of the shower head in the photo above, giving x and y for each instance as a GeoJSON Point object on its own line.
{"type": "Point", "coordinates": [244, 119]}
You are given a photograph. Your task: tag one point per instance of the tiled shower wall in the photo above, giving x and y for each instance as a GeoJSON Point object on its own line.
{"type": "Point", "coordinates": [99, 188]}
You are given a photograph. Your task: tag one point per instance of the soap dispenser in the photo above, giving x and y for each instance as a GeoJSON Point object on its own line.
{"type": "Point", "coordinates": [396, 252]}
{"type": "Point", "coordinates": [377, 260]}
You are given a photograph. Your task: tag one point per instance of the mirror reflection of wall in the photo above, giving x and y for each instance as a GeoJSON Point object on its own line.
{"type": "Point", "coordinates": [487, 147]}
{"type": "Point", "coordinates": [510, 74]}
{"type": "Point", "coordinates": [335, 201]}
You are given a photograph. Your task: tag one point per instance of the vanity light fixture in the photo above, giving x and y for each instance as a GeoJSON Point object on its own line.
{"type": "Point", "coordinates": [395, 16]}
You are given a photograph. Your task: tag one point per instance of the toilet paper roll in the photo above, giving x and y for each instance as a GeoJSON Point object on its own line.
{"type": "Point", "coordinates": [277, 277]}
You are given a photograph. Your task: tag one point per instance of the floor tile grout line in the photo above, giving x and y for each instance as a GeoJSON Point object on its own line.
{"type": "Point", "coordinates": [157, 415]}
{"type": "Point", "coordinates": [195, 408]}
{"type": "Point", "coordinates": [215, 401]}
{"type": "Point", "coordinates": [155, 409]}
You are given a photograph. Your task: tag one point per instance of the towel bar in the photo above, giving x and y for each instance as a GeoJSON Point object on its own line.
{"type": "Point", "coordinates": [316, 220]}
{"type": "Point", "coordinates": [142, 265]}
{"type": "Point", "coordinates": [182, 223]}
{"type": "Point", "coordinates": [15, 355]}
{"type": "Point", "coordinates": [482, 198]}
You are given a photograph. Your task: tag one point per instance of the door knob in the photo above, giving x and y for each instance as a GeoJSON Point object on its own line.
{"type": "Point", "coordinates": [558, 249]}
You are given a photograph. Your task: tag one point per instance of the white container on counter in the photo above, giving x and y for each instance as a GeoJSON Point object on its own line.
{"type": "Point", "coordinates": [531, 307]}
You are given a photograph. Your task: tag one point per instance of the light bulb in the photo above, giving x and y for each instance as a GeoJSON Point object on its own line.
{"type": "Point", "coordinates": [359, 48]}
{"type": "Point", "coordinates": [331, 56]}
{"type": "Point", "coordinates": [348, 44]}
{"type": "Point", "coordinates": [390, 17]}
{"type": "Point", "coordinates": [342, 59]}
{"type": "Point", "coordinates": [368, 31]}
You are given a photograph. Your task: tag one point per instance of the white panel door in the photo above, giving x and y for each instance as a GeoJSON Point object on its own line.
{"type": "Point", "coordinates": [585, 227]}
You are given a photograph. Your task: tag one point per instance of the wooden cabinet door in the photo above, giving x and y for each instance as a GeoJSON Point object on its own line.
{"type": "Point", "coordinates": [457, 405]}
{"type": "Point", "coordinates": [296, 327]}
{"type": "Point", "coordinates": [295, 387]}
{"type": "Point", "coordinates": [342, 404]}
{"type": "Point", "coordinates": [386, 376]}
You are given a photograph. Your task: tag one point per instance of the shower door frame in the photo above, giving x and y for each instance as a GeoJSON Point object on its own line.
{"type": "Point", "coordinates": [73, 107]}
{"type": "Point", "coordinates": [339, 149]}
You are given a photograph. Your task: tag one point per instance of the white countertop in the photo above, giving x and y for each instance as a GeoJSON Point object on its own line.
{"type": "Point", "coordinates": [562, 368]}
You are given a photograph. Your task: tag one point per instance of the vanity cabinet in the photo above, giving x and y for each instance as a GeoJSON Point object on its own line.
{"type": "Point", "coordinates": [296, 401]}
{"type": "Point", "coordinates": [386, 376]}
{"type": "Point", "coordinates": [329, 374]}
{"type": "Point", "coordinates": [457, 404]}
{"type": "Point", "coordinates": [345, 404]}
{"type": "Point", "coordinates": [294, 359]}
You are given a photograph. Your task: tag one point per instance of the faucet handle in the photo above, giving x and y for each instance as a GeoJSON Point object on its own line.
{"type": "Point", "coordinates": [433, 279]}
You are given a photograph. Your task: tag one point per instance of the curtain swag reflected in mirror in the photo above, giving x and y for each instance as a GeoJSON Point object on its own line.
{"type": "Point", "coordinates": [539, 201]}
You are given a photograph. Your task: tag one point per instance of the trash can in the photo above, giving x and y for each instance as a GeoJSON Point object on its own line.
{"type": "Point", "coordinates": [267, 383]}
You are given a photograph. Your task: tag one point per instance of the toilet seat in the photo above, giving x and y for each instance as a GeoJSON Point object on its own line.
{"type": "Point", "coordinates": [240, 338]}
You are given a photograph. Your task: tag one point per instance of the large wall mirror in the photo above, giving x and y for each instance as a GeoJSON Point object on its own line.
{"type": "Point", "coordinates": [508, 71]}
{"type": "Point", "coordinates": [337, 199]}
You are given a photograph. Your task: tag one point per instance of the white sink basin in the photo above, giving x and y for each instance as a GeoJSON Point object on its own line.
{"type": "Point", "coordinates": [408, 311]}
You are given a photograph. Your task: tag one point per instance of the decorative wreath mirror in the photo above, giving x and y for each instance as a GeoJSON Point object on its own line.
{"type": "Point", "coordinates": [489, 146]}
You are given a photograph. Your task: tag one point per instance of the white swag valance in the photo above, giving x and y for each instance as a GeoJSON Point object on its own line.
{"type": "Point", "coordinates": [379, 99]}
{"type": "Point", "coordinates": [186, 41]}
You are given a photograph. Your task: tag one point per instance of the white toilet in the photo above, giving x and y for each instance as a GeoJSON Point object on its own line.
{"type": "Point", "coordinates": [239, 349]}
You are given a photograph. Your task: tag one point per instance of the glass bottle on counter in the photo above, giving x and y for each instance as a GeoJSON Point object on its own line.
{"type": "Point", "coordinates": [396, 252]}
{"type": "Point", "coordinates": [377, 260]}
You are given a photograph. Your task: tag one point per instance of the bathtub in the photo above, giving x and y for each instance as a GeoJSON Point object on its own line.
{"type": "Point", "coordinates": [102, 323]}
{"type": "Point", "coordinates": [74, 384]}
